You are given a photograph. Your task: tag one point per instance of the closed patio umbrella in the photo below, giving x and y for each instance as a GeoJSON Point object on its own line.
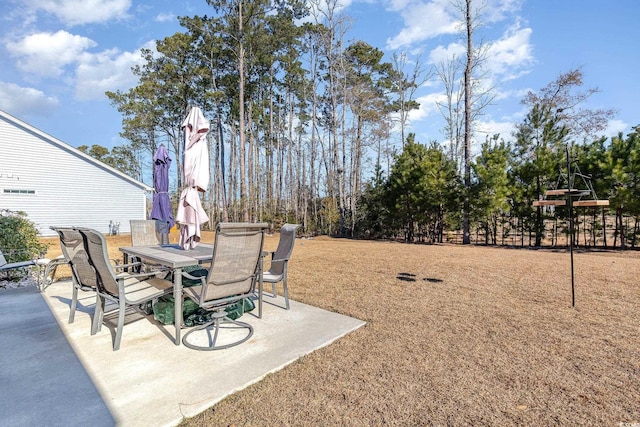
{"type": "Point", "coordinates": [190, 213]}
{"type": "Point", "coordinates": [161, 209]}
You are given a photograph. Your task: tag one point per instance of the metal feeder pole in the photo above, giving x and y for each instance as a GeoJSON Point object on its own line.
{"type": "Point", "coordinates": [570, 199]}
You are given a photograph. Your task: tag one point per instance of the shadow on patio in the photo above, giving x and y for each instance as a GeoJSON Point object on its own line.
{"type": "Point", "coordinates": [150, 380]}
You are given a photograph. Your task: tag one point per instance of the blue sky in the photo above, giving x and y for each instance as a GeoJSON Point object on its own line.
{"type": "Point", "coordinates": [60, 56]}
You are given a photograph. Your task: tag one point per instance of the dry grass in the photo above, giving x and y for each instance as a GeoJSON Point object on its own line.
{"type": "Point", "coordinates": [455, 335]}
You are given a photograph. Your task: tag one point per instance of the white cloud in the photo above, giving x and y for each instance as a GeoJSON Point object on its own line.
{"type": "Point", "coordinates": [53, 54]}
{"type": "Point", "coordinates": [109, 70]}
{"type": "Point", "coordinates": [422, 21]}
{"type": "Point", "coordinates": [510, 94]}
{"type": "Point", "coordinates": [497, 10]}
{"type": "Point", "coordinates": [428, 106]}
{"type": "Point", "coordinates": [46, 54]}
{"type": "Point", "coordinates": [616, 126]}
{"type": "Point", "coordinates": [165, 17]}
{"type": "Point", "coordinates": [508, 55]}
{"type": "Point", "coordinates": [492, 127]}
{"type": "Point", "coordinates": [443, 54]}
{"type": "Point", "coordinates": [426, 19]}
{"type": "Point", "coordinates": [21, 101]}
{"type": "Point", "coordinates": [79, 12]}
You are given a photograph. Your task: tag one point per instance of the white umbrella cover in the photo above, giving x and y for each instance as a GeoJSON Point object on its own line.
{"type": "Point", "coordinates": [190, 214]}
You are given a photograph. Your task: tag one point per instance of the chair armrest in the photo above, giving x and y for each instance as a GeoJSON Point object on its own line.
{"type": "Point", "coordinates": [202, 279]}
{"type": "Point", "coordinates": [123, 276]}
{"type": "Point", "coordinates": [132, 264]}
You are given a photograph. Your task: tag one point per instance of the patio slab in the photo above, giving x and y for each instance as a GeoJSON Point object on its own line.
{"type": "Point", "coordinates": [150, 380]}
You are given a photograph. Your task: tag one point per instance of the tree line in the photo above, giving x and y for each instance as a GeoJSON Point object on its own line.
{"type": "Point", "coordinates": [421, 199]}
{"type": "Point", "coordinates": [299, 115]}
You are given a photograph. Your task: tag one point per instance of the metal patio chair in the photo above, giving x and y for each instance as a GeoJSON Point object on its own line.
{"type": "Point", "coordinates": [277, 271]}
{"type": "Point", "coordinates": [8, 266]}
{"type": "Point", "coordinates": [83, 276]}
{"type": "Point", "coordinates": [149, 232]}
{"type": "Point", "coordinates": [127, 290]}
{"type": "Point", "coordinates": [232, 276]}
{"type": "Point", "coordinates": [50, 269]}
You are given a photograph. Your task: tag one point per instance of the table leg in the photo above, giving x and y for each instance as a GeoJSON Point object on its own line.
{"type": "Point", "coordinates": [177, 298]}
{"type": "Point", "coordinates": [260, 284]}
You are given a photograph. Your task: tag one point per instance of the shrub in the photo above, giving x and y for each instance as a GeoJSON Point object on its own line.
{"type": "Point", "coordinates": [19, 237]}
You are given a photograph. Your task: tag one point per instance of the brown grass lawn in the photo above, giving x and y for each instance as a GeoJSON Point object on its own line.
{"type": "Point", "coordinates": [455, 335]}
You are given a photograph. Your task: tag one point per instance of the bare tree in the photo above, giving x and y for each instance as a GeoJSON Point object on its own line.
{"type": "Point", "coordinates": [467, 124]}
{"type": "Point", "coordinates": [331, 50]}
{"type": "Point", "coordinates": [562, 97]}
{"type": "Point", "coordinates": [451, 109]}
{"type": "Point", "coordinates": [405, 86]}
{"type": "Point", "coordinates": [476, 96]}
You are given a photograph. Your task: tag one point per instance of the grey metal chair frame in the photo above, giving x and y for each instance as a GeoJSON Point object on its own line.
{"type": "Point", "coordinates": [49, 267]}
{"type": "Point", "coordinates": [280, 260]}
{"type": "Point", "coordinates": [125, 289]}
{"type": "Point", "coordinates": [147, 232]}
{"type": "Point", "coordinates": [8, 266]}
{"type": "Point", "coordinates": [232, 277]}
{"type": "Point", "coordinates": [50, 270]}
{"type": "Point", "coordinates": [83, 275]}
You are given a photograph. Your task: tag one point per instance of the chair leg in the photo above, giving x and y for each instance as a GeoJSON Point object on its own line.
{"type": "Point", "coordinates": [97, 315]}
{"type": "Point", "coordinates": [286, 292]}
{"type": "Point", "coordinates": [274, 289]}
{"type": "Point", "coordinates": [49, 270]}
{"type": "Point", "coordinates": [260, 293]}
{"type": "Point", "coordinates": [216, 324]}
{"type": "Point", "coordinates": [121, 309]}
{"type": "Point", "coordinates": [74, 303]}
{"type": "Point", "coordinates": [216, 327]}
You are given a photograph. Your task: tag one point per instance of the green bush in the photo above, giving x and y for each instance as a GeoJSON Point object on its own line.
{"type": "Point", "coordinates": [19, 237]}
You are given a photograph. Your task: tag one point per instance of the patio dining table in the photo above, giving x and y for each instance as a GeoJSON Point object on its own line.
{"type": "Point", "coordinates": [175, 258]}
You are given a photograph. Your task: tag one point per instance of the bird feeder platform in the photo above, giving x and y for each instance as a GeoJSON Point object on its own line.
{"type": "Point", "coordinates": [549, 202]}
{"type": "Point", "coordinates": [574, 194]}
{"type": "Point", "coordinates": [590, 203]}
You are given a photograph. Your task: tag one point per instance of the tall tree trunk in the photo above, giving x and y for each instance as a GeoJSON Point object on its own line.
{"type": "Point", "coordinates": [252, 187]}
{"type": "Point", "coordinates": [467, 126]}
{"type": "Point", "coordinates": [539, 223]}
{"type": "Point", "coordinates": [279, 163]}
{"type": "Point", "coordinates": [241, 130]}
{"type": "Point", "coordinates": [620, 228]}
{"type": "Point", "coordinates": [302, 177]}
{"type": "Point", "coordinates": [604, 227]}
{"type": "Point", "coordinates": [355, 172]}
{"type": "Point", "coordinates": [290, 166]}
{"type": "Point", "coordinates": [233, 172]}
{"type": "Point", "coordinates": [270, 148]}
{"type": "Point", "coordinates": [312, 169]}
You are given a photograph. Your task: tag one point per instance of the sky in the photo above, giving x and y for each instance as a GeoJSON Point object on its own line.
{"type": "Point", "coordinates": [58, 57]}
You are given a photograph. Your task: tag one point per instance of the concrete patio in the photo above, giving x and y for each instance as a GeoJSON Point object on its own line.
{"type": "Point", "coordinates": [56, 373]}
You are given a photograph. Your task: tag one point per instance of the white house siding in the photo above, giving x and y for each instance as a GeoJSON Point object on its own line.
{"type": "Point", "coordinates": [70, 188]}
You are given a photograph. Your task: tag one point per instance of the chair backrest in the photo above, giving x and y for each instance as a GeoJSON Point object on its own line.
{"type": "Point", "coordinates": [96, 246]}
{"type": "Point", "coordinates": [236, 256]}
{"type": "Point", "coordinates": [149, 232]}
{"type": "Point", "coordinates": [285, 248]}
{"type": "Point", "coordinates": [73, 250]}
